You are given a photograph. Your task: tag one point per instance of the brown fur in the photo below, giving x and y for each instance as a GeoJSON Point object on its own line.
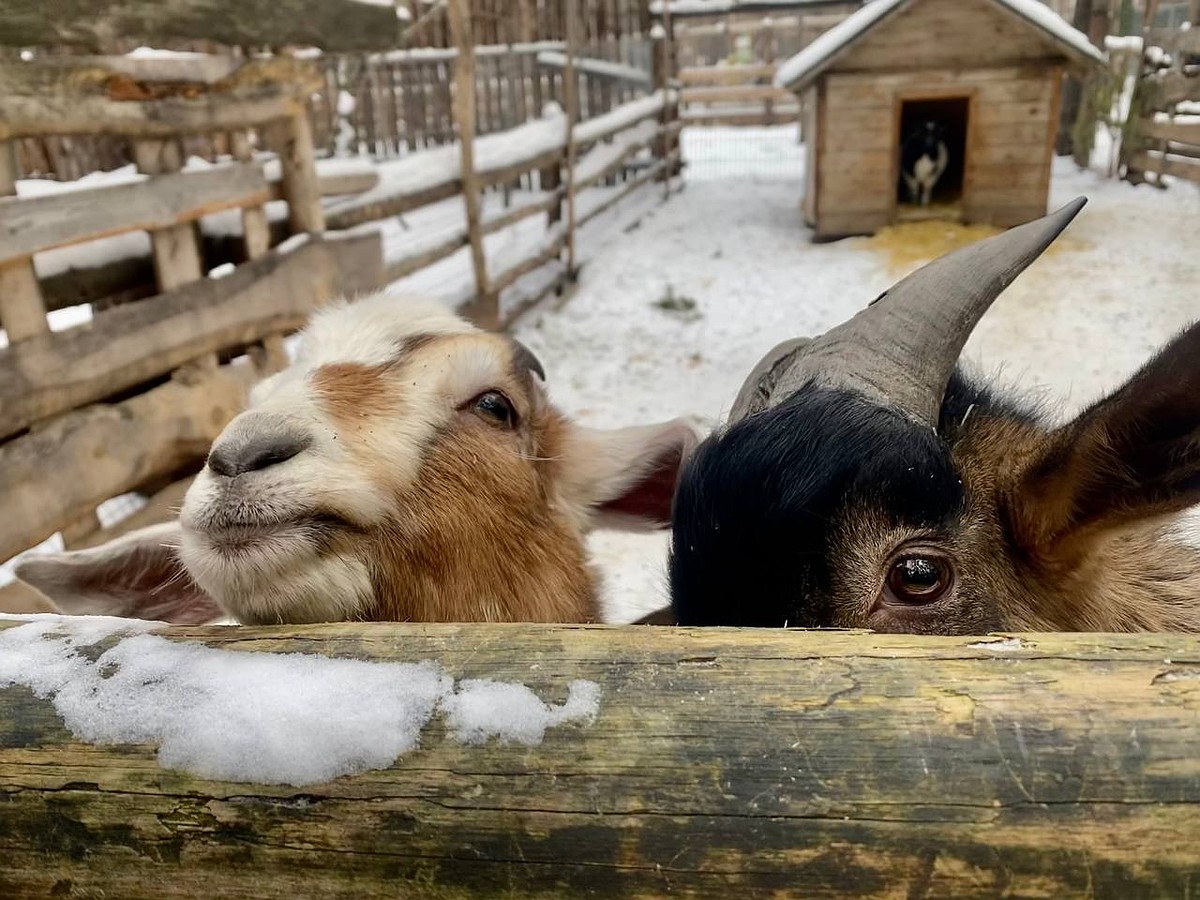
{"type": "Point", "coordinates": [1019, 565]}
{"type": "Point", "coordinates": [476, 537]}
{"type": "Point", "coordinates": [476, 541]}
{"type": "Point", "coordinates": [350, 392]}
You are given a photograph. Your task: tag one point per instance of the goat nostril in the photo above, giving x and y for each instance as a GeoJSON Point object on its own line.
{"type": "Point", "coordinates": [233, 457]}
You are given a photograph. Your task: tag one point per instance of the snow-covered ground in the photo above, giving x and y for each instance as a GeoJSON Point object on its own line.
{"type": "Point", "coordinates": [1124, 278]}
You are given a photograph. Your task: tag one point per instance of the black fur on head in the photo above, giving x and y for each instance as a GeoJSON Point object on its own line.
{"type": "Point", "coordinates": [762, 505]}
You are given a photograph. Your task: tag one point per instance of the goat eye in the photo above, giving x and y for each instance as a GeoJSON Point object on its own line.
{"type": "Point", "coordinates": [495, 406]}
{"type": "Point", "coordinates": [919, 579]}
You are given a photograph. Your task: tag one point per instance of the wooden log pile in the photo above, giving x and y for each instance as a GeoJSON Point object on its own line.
{"type": "Point", "coordinates": [720, 763]}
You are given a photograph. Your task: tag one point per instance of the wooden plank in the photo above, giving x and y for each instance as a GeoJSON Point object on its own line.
{"type": "Point", "coordinates": [175, 247]}
{"type": "Point", "coordinates": [1178, 166]}
{"type": "Point", "coordinates": [484, 307]}
{"type": "Point", "coordinates": [404, 266]}
{"type": "Point", "coordinates": [738, 94]}
{"type": "Point", "coordinates": [256, 228]}
{"type": "Point", "coordinates": [1179, 132]}
{"type": "Point", "coordinates": [38, 100]}
{"type": "Point", "coordinates": [195, 68]}
{"type": "Point", "coordinates": [647, 175]}
{"type": "Point", "coordinates": [292, 140]}
{"type": "Point", "coordinates": [333, 25]}
{"type": "Point", "coordinates": [999, 116]}
{"type": "Point", "coordinates": [832, 764]}
{"type": "Point", "coordinates": [779, 115]}
{"type": "Point", "coordinates": [573, 13]}
{"type": "Point", "coordinates": [31, 225]}
{"type": "Point", "coordinates": [129, 345]}
{"type": "Point", "coordinates": [950, 33]}
{"type": "Point", "coordinates": [493, 224]}
{"type": "Point", "coordinates": [356, 212]}
{"type": "Point", "coordinates": [544, 255]}
{"type": "Point", "coordinates": [333, 184]}
{"type": "Point", "coordinates": [22, 309]}
{"type": "Point", "coordinates": [51, 477]}
{"type": "Point", "coordinates": [745, 74]}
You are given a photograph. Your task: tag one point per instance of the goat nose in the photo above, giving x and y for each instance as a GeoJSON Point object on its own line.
{"type": "Point", "coordinates": [238, 454]}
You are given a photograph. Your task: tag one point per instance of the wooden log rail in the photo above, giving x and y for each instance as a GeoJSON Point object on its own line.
{"type": "Point", "coordinates": [720, 763]}
{"type": "Point", "coordinates": [113, 448]}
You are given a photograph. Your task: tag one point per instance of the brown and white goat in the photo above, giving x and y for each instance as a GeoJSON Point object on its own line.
{"type": "Point", "coordinates": [864, 481]}
{"type": "Point", "coordinates": [406, 466]}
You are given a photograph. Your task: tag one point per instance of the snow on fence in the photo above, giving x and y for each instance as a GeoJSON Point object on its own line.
{"type": "Point", "coordinates": [390, 104]}
{"type": "Point", "coordinates": [132, 398]}
{"type": "Point", "coordinates": [423, 761]}
{"type": "Point", "coordinates": [1162, 136]}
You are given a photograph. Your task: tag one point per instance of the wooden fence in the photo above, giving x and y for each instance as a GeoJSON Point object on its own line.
{"type": "Point", "coordinates": [1160, 138]}
{"type": "Point", "coordinates": [389, 104]}
{"type": "Point", "coordinates": [131, 401]}
{"type": "Point", "coordinates": [133, 398]}
{"type": "Point", "coordinates": [735, 95]}
{"type": "Point", "coordinates": [718, 763]}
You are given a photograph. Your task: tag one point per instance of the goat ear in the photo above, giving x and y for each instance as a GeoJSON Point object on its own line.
{"type": "Point", "coordinates": [625, 478]}
{"type": "Point", "coordinates": [1133, 456]}
{"type": "Point", "coordinates": [136, 576]}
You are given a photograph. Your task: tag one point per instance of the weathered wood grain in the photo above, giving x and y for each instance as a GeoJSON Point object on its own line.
{"type": "Point", "coordinates": [38, 99]}
{"type": "Point", "coordinates": [722, 764]}
{"type": "Point", "coordinates": [94, 24]}
{"type": "Point", "coordinates": [129, 345]}
{"type": "Point", "coordinates": [51, 477]}
{"type": "Point", "coordinates": [31, 225]}
{"type": "Point", "coordinates": [22, 309]}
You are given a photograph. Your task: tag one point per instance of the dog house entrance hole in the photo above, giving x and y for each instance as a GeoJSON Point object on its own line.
{"type": "Point", "coordinates": [948, 116]}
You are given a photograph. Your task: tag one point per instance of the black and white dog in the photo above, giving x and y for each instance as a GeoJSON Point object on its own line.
{"type": "Point", "coordinates": [923, 159]}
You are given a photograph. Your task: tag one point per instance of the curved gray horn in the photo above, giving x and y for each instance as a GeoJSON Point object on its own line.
{"type": "Point", "coordinates": [902, 349]}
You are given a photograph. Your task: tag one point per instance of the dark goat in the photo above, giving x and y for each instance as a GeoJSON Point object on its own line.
{"type": "Point", "coordinates": [865, 482]}
{"type": "Point", "coordinates": [923, 159]}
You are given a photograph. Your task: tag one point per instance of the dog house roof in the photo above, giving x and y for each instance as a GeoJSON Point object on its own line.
{"type": "Point", "coordinates": [800, 70]}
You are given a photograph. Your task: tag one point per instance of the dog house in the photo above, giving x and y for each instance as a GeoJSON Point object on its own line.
{"type": "Point", "coordinates": [984, 76]}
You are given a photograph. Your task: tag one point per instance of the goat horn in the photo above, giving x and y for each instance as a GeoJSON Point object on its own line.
{"type": "Point", "coordinates": [902, 349]}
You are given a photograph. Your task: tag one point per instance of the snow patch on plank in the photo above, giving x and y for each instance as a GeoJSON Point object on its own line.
{"type": "Point", "coordinates": [269, 718]}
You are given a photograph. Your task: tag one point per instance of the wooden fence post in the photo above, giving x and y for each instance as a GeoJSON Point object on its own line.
{"type": "Point", "coordinates": [571, 96]}
{"type": "Point", "coordinates": [176, 250]}
{"type": "Point", "coordinates": [484, 309]}
{"type": "Point", "coordinates": [292, 140]}
{"type": "Point", "coordinates": [256, 230]}
{"type": "Point", "coordinates": [22, 311]}
{"type": "Point", "coordinates": [270, 355]}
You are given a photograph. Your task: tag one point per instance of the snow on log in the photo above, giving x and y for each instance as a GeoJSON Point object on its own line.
{"type": "Point", "coordinates": [552, 762]}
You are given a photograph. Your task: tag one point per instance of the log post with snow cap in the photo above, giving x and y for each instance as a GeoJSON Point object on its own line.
{"type": "Point", "coordinates": [555, 762]}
